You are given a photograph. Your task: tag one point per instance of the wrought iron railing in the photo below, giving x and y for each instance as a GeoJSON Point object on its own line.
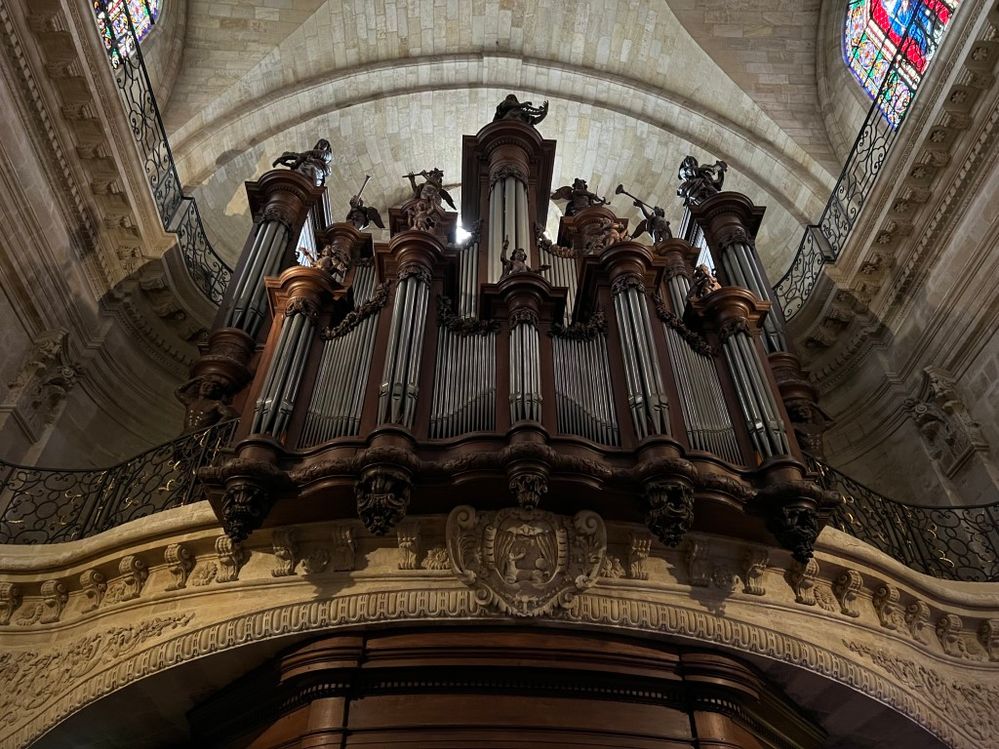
{"type": "Point", "coordinates": [823, 242]}
{"type": "Point", "coordinates": [50, 505]}
{"type": "Point", "coordinates": [953, 543]}
{"type": "Point", "coordinates": [178, 213]}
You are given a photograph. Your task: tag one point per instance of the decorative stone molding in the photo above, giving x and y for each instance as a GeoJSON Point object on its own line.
{"type": "Point", "coordinates": [53, 595]}
{"type": "Point", "coordinates": [285, 552]}
{"type": "Point", "coordinates": [801, 578]}
{"type": "Point", "coordinates": [231, 558]}
{"type": "Point", "coordinates": [179, 562]}
{"type": "Point", "coordinates": [612, 568]}
{"type": "Point", "coordinates": [408, 536]}
{"type": "Point", "coordinates": [342, 557]}
{"type": "Point", "coordinates": [950, 632]}
{"type": "Point", "coordinates": [132, 574]}
{"type": "Point", "coordinates": [437, 559]}
{"type": "Point", "coordinates": [988, 635]}
{"type": "Point", "coordinates": [755, 564]}
{"type": "Point", "coordinates": [698, 565]}
{"type": "Point", "coordinates": [917, 617]}
{"type": "Point", "coordinates": [93, 586]}
{"type": "Point", "coordinates": [10, 600]}
{"type": "Point", "coordinates": [315, 560]}
{"type": "Point", "coordinates": [890, 613]}
{"type": "Point", "coordinates": [846, 588]}
{"type": "Point", "coordinates": [639, 546]}
{"type": "Point", "coordinates": [526, 562]}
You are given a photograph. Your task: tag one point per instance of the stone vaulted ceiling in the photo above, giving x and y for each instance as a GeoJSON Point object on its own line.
{"type": "Point", "coordinates": [634, 86]}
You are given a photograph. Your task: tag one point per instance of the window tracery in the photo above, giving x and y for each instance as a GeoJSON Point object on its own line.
{"type": "Point", "coordinates": [113, 24]}
{"type": "Point", "coordinates": [880, 31]}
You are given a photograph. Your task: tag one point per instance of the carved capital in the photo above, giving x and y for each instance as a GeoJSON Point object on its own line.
{"type": "Point", "coordinates": [846, 588]}
{"type": "Point", "coordinates": [93, 586]}
{"type": "Point", "coordinates": [802, 577]}
{"type": "Point", "coordinates": [886, 606]}
{"type": "Point", "coordinates": [382, 495]}
{"type": "Point", "coordinates": [54, 597]}
{"type": "Point", "coordinates": [733, 325]}
{"type": "Point", "coordinates": [755, 563]}
{"type": "Point", "coordinates": [415, 270]}
{"type": "Point", "coordinates": [301, 305]}
{"type": "Point", "coordinates": [950, 632]}
{"type": "Point", "coordinates": [670, 510]}
{"type": "Point", "coordinates": [524, 316]}
{"type": "Point", "coordinates": [628, 281]}
{"type": "Point", "coordinates": [917, 617]}
{"type": "Point", "coordinates": [285, 552]}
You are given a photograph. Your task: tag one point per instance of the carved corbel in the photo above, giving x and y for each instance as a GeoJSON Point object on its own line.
{"type": "Point", "coordinates": [315, 560]}
{"type": "Point", "coordinates": [755, 566]}
{"type": "Point", "coordinates": [698, 564]}
{"type": "Point", "coordinates": [244, 506]}
{"type": "Point", "coordinates": [950, 632]}
{"type": "Point", "coordinates": [382, 495]}
{"type": "Point", "coordinates": [343, 548]}
{"type": "Point", "coordinates": [917, 617]}
{"type": "Point", "coordinates": [251, 486]}
{"type": "Point", "coordinates": [846, 588]}
{"type": "Point", "coordinates": [231, 558]}
{"type": "Point", "coordinates": [528, 485]}
{"type": "Point", "coordinates": [10, 600]}
{"type": "Point", "coordinates": [54, 597]}
{"type": "Point", "coordinates": [638, 554]}
{"type": "Point", "coordinates": [285, 552]}
{"type": "Point", "coordinates": [792, 510]}
{"type": "Point", "coordinates": [886, 605]}
{"type": "Point", "coordinates": [408, 535]}
{"type": "Point", "coordinates": [670, 512]}
{"type": "Point", "coordinates": [988, 635]}
{"type": "Point", "coordinates": [93, 586]}
{"type": "Point", "coordinates": [802, 578]}
{"type": "Point", "coordinates": [179, 562]}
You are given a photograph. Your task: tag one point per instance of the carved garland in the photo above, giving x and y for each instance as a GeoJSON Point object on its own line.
{"type": "Point", "coordinates": [694, 339]}
{"type": "Point", "coordinates": [464, 326]}
{"type": "Point", "coordinates": [379, 297]}
{"type": "Point", "coordinates": [581, 331]}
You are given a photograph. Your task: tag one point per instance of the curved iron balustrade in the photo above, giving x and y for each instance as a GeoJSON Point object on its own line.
{"type": "Point", "coordinates": [51, 505]}
{"type": "Point", "coordinates": [822, 243]}
{"type": "Point", "coordinates": [952, 543]}
{"type": "Point", "coordinates": [178, 212]}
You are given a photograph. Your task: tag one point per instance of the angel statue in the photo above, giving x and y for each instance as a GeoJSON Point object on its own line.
{"type": "Point", "coordinates": [361, 215]}
{"type": "Point", "coordinates": [331, 259]}
{"type": "Point", "coordinates": [512, 109]}
{"type": "Point", "coordinates": [578, 196]}
{"type": "Point", "coordinates": [704, 283]}
{"type": "Point", "coordinates": [205, 401]}
{"type": "Point", "coordinates": [654, 223]}
{"type": "Point", "coordinates": [314, 163]}
{"type": "Point", "coordinates": [431, 189]}
{"type": "Point", "coordinates": [698, 183]}
{"type": "Point", "coordinates": [517, 262]}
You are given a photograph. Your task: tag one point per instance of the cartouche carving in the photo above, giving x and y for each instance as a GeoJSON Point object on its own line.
{"type": "Point", "coordinates": [670, 510]}
{"type": "Point", "coordinates": [179, 561]}
{"type": "Point", "coordinates": [526, 562]}
{"type": "Point", "coordinates": [382, 495]}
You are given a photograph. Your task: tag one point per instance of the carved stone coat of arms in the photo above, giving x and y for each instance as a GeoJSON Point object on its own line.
{"type": "Point", "coordinates": [525, 562]}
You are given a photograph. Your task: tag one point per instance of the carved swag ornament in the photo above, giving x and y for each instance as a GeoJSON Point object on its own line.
{"type": "Point", "coordinates": [526, 562]}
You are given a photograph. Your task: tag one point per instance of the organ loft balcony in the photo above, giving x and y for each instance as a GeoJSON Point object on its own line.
{"type": "Point", "coordinates": [617, 373]}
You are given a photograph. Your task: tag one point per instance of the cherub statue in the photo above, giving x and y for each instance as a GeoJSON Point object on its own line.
{"type": "Point", "coordinates": [704, 283]}
{"type": "Point", "coordinates": [604, 234]}
{"type": "Point", "coordinates": [332, 259]}
{"type": "Point", "coordinates": [314, 163]}
{"type": "Point", "coordinates": [361, 215]}
{"type": "Point", "coordinates": [432, 188]}
{"type": "Point", "coordinates": [517, 262]}
{"type": "Point", "coordinates": [578, 196]}
{"type": "Point", "coordinates": [204, 398]}
{"type": "Point", "coordinates": [654, 223]}
{"type": "Point", "coordinates": [512, 109]}
{"type": "Point", "coordinates": [698, 183]}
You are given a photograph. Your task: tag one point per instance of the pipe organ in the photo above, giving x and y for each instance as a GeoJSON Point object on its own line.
{"type": "Point", "coordinates": [596, 371]}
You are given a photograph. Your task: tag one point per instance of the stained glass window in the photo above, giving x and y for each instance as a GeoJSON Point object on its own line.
{"type": "Point", "coordinates": [113, 20]}
{"type": "Point", "coordinates": [879, 31]}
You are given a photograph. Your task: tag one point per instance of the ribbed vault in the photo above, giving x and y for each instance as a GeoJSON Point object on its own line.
{"type": "Point", "coordinates": [393, 85]}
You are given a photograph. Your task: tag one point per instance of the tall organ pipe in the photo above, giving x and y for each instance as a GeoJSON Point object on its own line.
{"type": "Point", "coordinates": [399, 388]}
{"type": "Point", "coordinates": [249, 300]}
{"type": "Point", "coordinates": [645, 388]}
{"type": "Point", "coordinates": [277, 397]}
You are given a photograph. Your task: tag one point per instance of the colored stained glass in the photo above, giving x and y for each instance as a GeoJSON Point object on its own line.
{"type": "Point", "coordinates": [113, 18]}
{"type": "Point", "coordinates": [893, 39]}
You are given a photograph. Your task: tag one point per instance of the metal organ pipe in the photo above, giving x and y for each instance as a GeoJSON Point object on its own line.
{"type": "Point", "coordinates": [277, 398]}
{"type": "Point", "coordinates": [645, 389]}
{"type": "Point", "coordinates": [250, 297]}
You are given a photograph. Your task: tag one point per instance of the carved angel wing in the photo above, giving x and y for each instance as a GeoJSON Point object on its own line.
{"type": "Point", "coordinates": [447, 197]}
{"type": "Point", "coordinates": [563, 193]}
{"type": "Point", "coordinates": [374, 216]}
{"type": "Point", "coordinates": [643, 226]}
